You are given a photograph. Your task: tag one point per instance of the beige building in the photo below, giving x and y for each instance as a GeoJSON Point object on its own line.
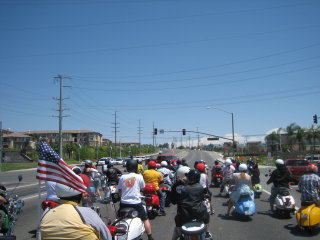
{"type": "Point", "coordinates": [82, 137]}
{"type": "Point", "coordinates": [17, 140]}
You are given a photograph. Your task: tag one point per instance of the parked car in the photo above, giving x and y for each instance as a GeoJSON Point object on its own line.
{"type": "Point", "coordinates": [297, 167]}
{"type": "Point", "coordinates": [104, 160]}
{"type": "Point", "coordinates": [313, 159]}
{"type": "Point", "coordinates": [168, 158]}
{"type": "Point", "coordinates": [118, 161]}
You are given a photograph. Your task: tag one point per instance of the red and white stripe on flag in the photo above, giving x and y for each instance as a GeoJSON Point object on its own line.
{"type": "Point", "coordinates": [61, 173]}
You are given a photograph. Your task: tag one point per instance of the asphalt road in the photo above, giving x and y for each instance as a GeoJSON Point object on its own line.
{"type": "Point", "coordinates": [261, 226]}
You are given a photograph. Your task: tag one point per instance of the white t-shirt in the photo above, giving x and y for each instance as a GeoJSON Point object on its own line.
{"type": "Point", "coordinates": [203, 180]}
{"type": "Point", "coordinates": [131, 184]}
{"type": "Point", "coordinates": [165, 171]}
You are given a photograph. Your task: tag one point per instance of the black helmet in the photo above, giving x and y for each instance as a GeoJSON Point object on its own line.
{"type": "Point", "coordinates": [110, 164]}
{"type": "Point", "coordinates": [193, 176]}
{"type": "Point", "coordinates": [132, 165]}
{"type": "Point", "coordinates": [88, 163]}
{"type": "Point", "coordinates": [216, 162]}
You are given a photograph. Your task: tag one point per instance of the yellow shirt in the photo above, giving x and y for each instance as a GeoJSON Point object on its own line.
{"type": "Point", "coordinates": [64, 222]}
{"type": "Point", "coordinates": [152, 177]}
{"type": "Point", "coordinates": [140, 169]}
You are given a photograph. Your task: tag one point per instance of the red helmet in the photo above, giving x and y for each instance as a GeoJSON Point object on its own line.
{"type": "Point", "coordinates": [152, 164]}
{"type": "Point", "coordinates": [201, 167]}
{"type": "Point", "coordinates": [312, 167]}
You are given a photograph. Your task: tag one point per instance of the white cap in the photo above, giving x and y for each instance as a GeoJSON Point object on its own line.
{"type": "Point", "coordinates": [228, 162]}
{"type": "Point", "coordinates": [243, 167]}
{"type": "Point", "coordinates": [164, 164]}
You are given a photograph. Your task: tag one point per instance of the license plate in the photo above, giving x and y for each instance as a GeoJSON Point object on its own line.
{"type": "Point", "coordinates": [247, 212]}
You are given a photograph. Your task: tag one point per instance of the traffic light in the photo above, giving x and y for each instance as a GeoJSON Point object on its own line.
{"type": "Point", "coordinates": [183, 132]}
{"type": "Point", "coordinates": [155, 131]}
{"type": "Point", "coordinates": [315, 119]}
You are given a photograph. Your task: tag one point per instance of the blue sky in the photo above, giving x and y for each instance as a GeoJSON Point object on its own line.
{"type": "Point", "coordinates": [160, 61]}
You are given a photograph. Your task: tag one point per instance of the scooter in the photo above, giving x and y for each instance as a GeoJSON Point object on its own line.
{"type": "Point", "coordinates": [152, 200]}
{"type": "Point", "coordinates": [257, 189]}
{"type": "Point", "coordinates": [245, 206]}
{"type": "Point", "coordinates": [285, 204]}
{"type": "Point", "coordinates": [308, 216]}
{"type": "Point", "coordinates": [131, 227]}
{"type": "Point", "coordinates": [193, 231]}
{"type": "Point", "coordinates": [216, 180]}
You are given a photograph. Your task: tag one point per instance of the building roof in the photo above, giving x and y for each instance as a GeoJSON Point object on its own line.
{"type": "Point", "coordinates": [16, 135]}
{"type": "Point", "coordinates": [57, 131]}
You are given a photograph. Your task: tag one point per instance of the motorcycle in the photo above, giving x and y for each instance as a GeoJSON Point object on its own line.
{"type": "Point", "coordinates": [115, 197]}
{"type": "Point", "coordinates": [193, 231]}
{"type": "Point", "coordinates": [308, 216]}
{"type": "Point", "coordinates": [48, 204]}
{"type": "Point", "coordinates": [245, 206]}
{"type": "Point", "coordinates": [129, 225]}
{"type": "Point", "coordinates": [9, 212]}
{"type": "Point", "coordinates": [152, 200]}
{"type": "Point", "coordinates": [285, 204]}
{"type": "Point", "coordinates": [257, 189]}
{"type": "Point", "coordinates": [216, 180]}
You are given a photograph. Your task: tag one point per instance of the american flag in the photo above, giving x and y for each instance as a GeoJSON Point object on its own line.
{"type": "Point", "coordinates": [51, 167]}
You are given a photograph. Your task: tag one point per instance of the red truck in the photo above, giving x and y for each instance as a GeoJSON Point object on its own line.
{"type": "Point", "coordinates": [297, 167]}
{"type": "Point", "coordinates": [168, 158]}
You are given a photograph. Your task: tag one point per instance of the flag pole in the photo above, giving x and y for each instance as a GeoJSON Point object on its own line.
{"type": "Point", "coordinates": [38, 234]}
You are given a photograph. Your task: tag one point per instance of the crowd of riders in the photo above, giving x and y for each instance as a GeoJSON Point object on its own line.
{"type": "Point", "coordinates": [189, 188]}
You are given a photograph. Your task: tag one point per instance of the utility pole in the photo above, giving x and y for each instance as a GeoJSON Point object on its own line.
{"type": "Point", "coordinates": [139, 133]}
{"type": "Point", "coordinates": [115, 129]}
{"type": "Point", "coordinates": [198, 139]}
{"type": "Point", "coordinates": [1, 146]}
{"type": "Point", "coordinates": [61, 109]}
{"type": "Point", "coordinates": [153, 136]}
{"type": "Point", "coordinates": [189, 142]}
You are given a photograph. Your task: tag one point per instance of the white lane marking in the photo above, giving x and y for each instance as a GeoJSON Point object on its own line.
{"type": "Point", "coordinates": [33, 196]}
{"type": "Point", "coordinates": [23, 186]}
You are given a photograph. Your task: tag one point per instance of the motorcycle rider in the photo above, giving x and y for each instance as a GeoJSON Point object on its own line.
{"type": "Point", "coordinates": [113, 174]}
{"type": "Point", "coordinates": [227, 170]}
{"type": "Point", "coordinates": [129, 188]}
{"type": "Point", "coordinates": [151, 176]}
{"type": "Point", "coordinates": [280, 177]}
{"type": "Point", "coordinates": [3, 199]}
{"type": "Point", "coordinates": [255, 174]}
{"type": "Point", "coordinates": [204, 181]}
{"type": "Point", "coordinates": [242, 185]}
{"type": "Point", "coordinates": [309, 185]}
{"type": "Point", "coordinates": [140, 167]}
{"type": "Point", "coordinates": [184, 163]}
{"type": "Point", "coordinates": [188, 194]}
{"type": "Point", "coordinates": [69, 221]}
{"type": "Point", "coordinates": [94, 176]}
{"type": "Point", "coordinates": [166, 173]}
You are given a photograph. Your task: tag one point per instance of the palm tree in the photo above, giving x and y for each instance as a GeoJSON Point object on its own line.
{"type": "Point", "coordinates": [300, 134]}
{"type": "Point", "coordinates": [312, 135]}
{"type": "Point", "coordinates": [273, 137]}
{"type": "Point", "coordinates": [291, 131]}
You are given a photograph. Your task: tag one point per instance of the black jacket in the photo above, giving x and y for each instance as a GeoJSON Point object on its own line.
{"type": "Point", "coordinates": [113, 174]}
{"type": "Point", "coordinates": [280, 177]}
{"type": "Point", "coordinates": [189, 200]}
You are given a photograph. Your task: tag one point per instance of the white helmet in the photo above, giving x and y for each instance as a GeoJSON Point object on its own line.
{"type": "Point", "coordinates": [65, 191]}
{"type": "Point", "coordinates": [243, 167]}
{"type": "Point", "coordinates": [164, 164]}
{"type": "Point", "coordinates": [181, 172]}
{"type": "Point", "coordinates": [279, 162]}
{"type": "Point", "coordinates": [228, 162]}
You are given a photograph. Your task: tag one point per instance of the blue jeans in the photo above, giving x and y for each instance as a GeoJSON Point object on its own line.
{"type": "Point", "coordinates": [162, 200]}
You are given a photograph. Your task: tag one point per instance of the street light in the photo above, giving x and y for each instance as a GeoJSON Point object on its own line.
{"type": "Point", "coordinates": [232, 122]}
